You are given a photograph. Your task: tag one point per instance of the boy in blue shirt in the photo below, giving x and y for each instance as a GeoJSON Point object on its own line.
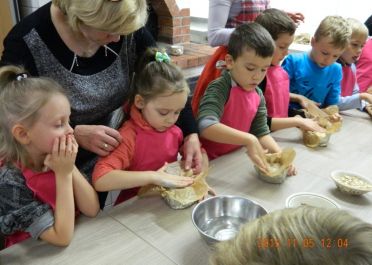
{"type": "Point", "coordinates": [316, 75]}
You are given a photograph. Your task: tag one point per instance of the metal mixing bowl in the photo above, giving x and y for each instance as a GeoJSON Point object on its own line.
{"type": "Point", "coordinates": [219, 218]}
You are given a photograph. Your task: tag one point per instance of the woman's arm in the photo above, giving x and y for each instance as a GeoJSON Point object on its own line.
{"type": "Point", "coordinates": [218, 15]}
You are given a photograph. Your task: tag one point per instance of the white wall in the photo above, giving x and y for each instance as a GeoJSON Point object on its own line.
{"type": "Point", "coordinates": [314, 10]}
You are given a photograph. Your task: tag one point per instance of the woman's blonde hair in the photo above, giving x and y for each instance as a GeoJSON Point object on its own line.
{"type": "Point", "coordinates": [113, 16]}
{"type": "Point", "coordinates": [335, 27]}
{"type": "Point", "coordinates": [154, 78]}
{"type": "Point", "coordinates": [358, 28]}
{"type": "Point", "coordinates": [21, 98]}
{"type": "Point", "coordinates": [304, 235]}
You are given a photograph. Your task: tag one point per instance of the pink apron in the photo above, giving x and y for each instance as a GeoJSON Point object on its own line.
{"type": "Point", "coordinates": [152, 150]}
{"type": "Point", "coordinates": [239, 112]}
{"type": "Point", "coordinates": [348, 81]}
{"type": "Point", "coordinates": [277, 92]}
{"type": "Point", "coordinates": [43, 185]}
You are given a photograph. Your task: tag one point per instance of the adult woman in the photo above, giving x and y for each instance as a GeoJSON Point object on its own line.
{"type": "Point", "coordinates": [90, 48]}
{"type": "Point", "coordinates": [225, 15]}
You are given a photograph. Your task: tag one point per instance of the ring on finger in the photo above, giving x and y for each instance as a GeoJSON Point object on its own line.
{"type": "Point", "coordinates": [105, 146]}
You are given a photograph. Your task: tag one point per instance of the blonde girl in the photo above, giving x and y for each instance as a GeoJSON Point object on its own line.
{"type": "Point", "coordinates": [39, 183]}
{"type": "Point", "coordinates": [150, 136]}
{"type": "Point", "coordinates": [304, 235]}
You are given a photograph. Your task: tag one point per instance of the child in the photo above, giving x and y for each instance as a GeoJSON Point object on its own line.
{"type": "Point", "coordinates": [364, 64]}
{"type": "Point", "coordinates": [275, 85]}
{"type": "Point", "coordinates": [39, 182]}
{"type": "Point", "coordinates": [316, 75]}
{"type": "Point", "coordinates": [150, 136]}
{"type": "Point", "coordinates": [303, 235]}
{"type": "Point", "coordinates": [350, 96]}
{"type": "Point", "coordinates": [235, 95]}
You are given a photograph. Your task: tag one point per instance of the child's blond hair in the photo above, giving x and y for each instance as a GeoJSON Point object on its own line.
{"type": "Point", "coordinates": [357, 28]}
{"type": "Point", "coordinates": [304, 235]}
{"type": "Point", "coordinates": [21, 98]}
{"type": "Point", "coordinates": [113, 16]}
{"type": "Point", "coordinates": [336, 28]}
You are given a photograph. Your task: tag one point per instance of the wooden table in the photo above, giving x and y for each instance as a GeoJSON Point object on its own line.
{"type": "Point", "coordinates": [147, 231]}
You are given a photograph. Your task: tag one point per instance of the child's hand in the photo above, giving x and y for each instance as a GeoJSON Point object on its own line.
{"type": "Point", "coordinates": [166, 180]}
{"type": "Point", "coordinates": [335, 117]}
{"type": "Point", "coordinates": [309, 125]}
{"type": "Point", "coordinates": [257, 154]}
{"type": "Point", "coordinates": [292, 171]}
{"type": "Point", "coordinates": [367, 96]}
{"type": "Point", "coordinates": [62, 158]}
{"type": "Point", "coordinates": [305, 102]}
{"type": "Point", "coordinates": [369, 90]}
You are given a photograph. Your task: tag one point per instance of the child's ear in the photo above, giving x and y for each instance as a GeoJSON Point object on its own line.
{"type": "Point", "coordinates": [312, 42]}
{"type": "Point", "coordinates": [139, 101]}
{"type": "Point", "coordinates": [20, 134]}
{"type": "Point", "coordinates": [229, 60]}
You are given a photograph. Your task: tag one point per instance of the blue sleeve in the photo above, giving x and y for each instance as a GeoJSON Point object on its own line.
{"type": "Point", "coordinates": [334, 92]}
{"type": "Point", "coordinates": [288, 66]}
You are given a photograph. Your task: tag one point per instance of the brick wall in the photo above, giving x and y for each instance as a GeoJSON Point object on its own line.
{"type": "Point", "coordinates": [173, 22]}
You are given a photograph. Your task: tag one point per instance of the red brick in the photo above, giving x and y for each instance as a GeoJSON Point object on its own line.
{"type": "Point", "coordinates": [185, 38]}
{"type": "Point", "coordinates": [184, 30]}
{"type": "Point", "coordinates": [185, 12]}
{"type": "Point", "coordinates": [186, 21]}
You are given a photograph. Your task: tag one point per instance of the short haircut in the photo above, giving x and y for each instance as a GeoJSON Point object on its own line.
{"type": "Point", "coordinates": [306, 235]}
{"type": "Point", "coordinates": [113, 16]}
{"type": "Point", "coordinates": [336, 28]}
{"type": "Point", "coordinates": [276, 22]}
{"type": "Point", "coordinates": [357, 28]}
{"type": "Point", "coordinates": [251, 36]}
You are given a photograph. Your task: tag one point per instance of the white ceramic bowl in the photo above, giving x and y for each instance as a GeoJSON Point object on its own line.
{"type": "Point", "coordinates": [309, 198]}
{"type": "Point", "coordinates": [351, 183]}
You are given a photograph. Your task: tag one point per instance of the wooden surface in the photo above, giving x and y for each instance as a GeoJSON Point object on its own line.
{"type": "Point", "coordinates": [147, 231]}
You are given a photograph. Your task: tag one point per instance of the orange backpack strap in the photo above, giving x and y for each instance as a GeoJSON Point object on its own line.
{"type": "Point", "coordinates": [209, 73]}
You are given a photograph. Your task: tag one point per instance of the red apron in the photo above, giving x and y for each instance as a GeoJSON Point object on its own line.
{"type": "Point", "coordinates": [43, 185]}
{"type": "Point", "coordinates": [348, 81]}
{"type": "Point", "coordinates": [239, 112]}
{"type": "Point", "coordinates": [152, 150]}
{"type": "Point", "coordinates": [277, 92]}
{"type": "Point", "coordinates": [210, 72]}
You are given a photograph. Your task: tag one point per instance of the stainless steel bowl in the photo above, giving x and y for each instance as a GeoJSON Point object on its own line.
{"type": "Point", "coordinates": [219, 218]}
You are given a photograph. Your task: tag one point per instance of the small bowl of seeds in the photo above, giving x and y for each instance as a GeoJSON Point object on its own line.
{"type": "Point", "coordinates": [351, 183]}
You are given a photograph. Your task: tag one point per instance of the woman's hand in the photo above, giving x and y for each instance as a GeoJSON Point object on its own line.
{"type": "Point", "coordinates": [98, 139]}
{"type": "Point", "coordinates": [162, 178]}
{"type": "Point", "coordinates": [296, 17]}
{"type": "Point", "coordinates": [62, 158]}
{"type": "Point", "coordinates": [192, 153]}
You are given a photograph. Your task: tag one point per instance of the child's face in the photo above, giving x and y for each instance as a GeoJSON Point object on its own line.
{"type": "Point", "coordinates": [281, 47]}
{"type": "Point", "coordinates": [323, 53]}
{"type": "Point", "coordinates": [249, 69]}
{"type": "Point", "coordinates": [162, 111]}
{"type": "Point", "coordinates": [53, 122]}
{"type": "Point", "coordinates": [354, 49]}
